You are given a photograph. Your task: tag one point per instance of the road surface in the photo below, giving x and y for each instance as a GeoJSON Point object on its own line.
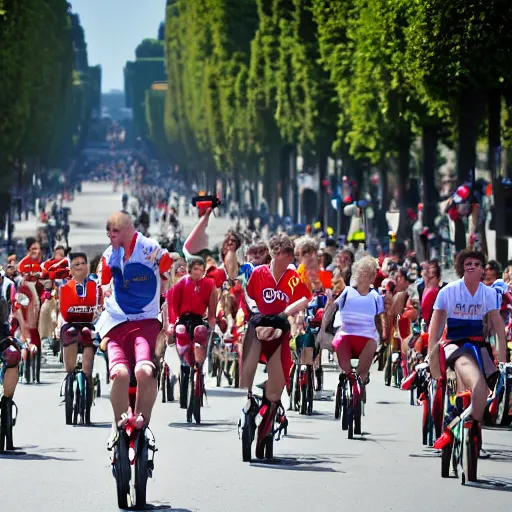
{"type": "Point", "coordinates": [199, 468]}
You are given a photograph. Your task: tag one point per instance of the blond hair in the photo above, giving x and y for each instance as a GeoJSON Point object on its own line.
{"type": "Point", "coordinates": [365, 264]}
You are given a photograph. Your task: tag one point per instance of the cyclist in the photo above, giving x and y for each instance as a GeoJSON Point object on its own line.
{"type": "Point", "coordinates": [360, 319]}
{"type": "Point", "coordinates": [188, 300]}
{"type": "Point", "coordinates": [9, 350]}
{"type": "Point", "coordinates": [79, 300]}
{"type": "Point", "coordinates": [131, 268]}
{"type": "Point", "coordinates": [28, 316]}
{"type": "Point", "coordinates": [278, 293]}
{"type": "Point", "coordinates": [462, 306]}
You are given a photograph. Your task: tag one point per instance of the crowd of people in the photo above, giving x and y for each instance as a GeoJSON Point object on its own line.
{"type": "Point", "coordinates": [138, 298]}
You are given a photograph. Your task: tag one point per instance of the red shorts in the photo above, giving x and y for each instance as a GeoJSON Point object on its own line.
{"type": "Point", "coordinates": [132, 344]}
{"type": "Point", "coordinates": [356, 343]}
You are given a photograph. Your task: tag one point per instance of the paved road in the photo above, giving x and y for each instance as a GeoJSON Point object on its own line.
{"type": "Point", "coordinates": [199, 468]}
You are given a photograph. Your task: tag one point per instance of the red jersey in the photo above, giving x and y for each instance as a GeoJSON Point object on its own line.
{"type": "Point", "coordinates": [272, 297]}
{"type": "Point", "coordinates": [55, 269]}
{"type": "Point", "coordinates": [27, 265]}
{"type": "Point", "coordinates": [188, 296]}
{"type": "Point", "coordinates": [76, 308]}
{"type": "Point", "coordinates": [218, 274]}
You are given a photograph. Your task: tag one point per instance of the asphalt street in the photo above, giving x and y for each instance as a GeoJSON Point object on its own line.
{"type": "Point", "coordinates": [199, 467]}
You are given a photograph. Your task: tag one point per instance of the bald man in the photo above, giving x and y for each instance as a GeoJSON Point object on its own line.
{"type": "Point", "coordinates": [131, 270]}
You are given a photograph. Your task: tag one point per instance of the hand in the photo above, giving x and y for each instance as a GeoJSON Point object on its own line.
{"type": "Point", "coordinates": [174, 256]}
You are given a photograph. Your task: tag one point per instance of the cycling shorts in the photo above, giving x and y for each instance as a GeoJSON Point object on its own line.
{"type": "Point", "coordinates": [83, 333]}
{"type": "Point", "coordinates": [455, 349]}
{"type": "Point", "coordinates": [355, 342]}
{"type": "Point", "coordinates": [133, 343]}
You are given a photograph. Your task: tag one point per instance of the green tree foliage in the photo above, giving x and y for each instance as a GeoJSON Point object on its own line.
{"type": "Point", "coordinates": [41, 43]}
{"type": "Point", "coordinates": [139, 75]}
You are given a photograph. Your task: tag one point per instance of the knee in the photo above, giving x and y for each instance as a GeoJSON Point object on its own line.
{"type": "Point", "coordinates": [182, 337]}
{"type": "Point", "coordinates": [119, 373]}
{"type": "Point", "coordinates": [11, 357]}
{"type": "Point", "coordinates": [144, 372]}
{"type": "Point", "coordinates": [201, 334]}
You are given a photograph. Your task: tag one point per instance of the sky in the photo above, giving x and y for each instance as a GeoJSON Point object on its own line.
{"type": "Point", "coordinates": [113, 29]}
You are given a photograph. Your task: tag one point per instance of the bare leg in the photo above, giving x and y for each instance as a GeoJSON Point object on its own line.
{"type": "Point", "coordinates": [146, 391]}
{"type": "Point", "coordinates": [276, 381]}
{"type": "Point", "coordinates": [365, 359]}
{"type": "Point", "coordinates": [119, 393]}
{"type": "Point", "coordinates": [250, 363]}
{"type": "Point", "coordinates": [344, 353]}
{"type": "Point", "coordinates": [10, 381]}
{"type": "Point", "coordinates": [88, 360]}
{"type": "Point", "coordinates": [69, 354]}
{"type": "Point", "coordinates": [469, 373]}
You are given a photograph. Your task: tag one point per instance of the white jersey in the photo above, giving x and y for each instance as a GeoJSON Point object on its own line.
{"type": "Point", "coordinates": [465, 312]}
{"type": "Point", "coordinates": [356, 313]}
{"type": "Point", "coordinates": [135, 283]}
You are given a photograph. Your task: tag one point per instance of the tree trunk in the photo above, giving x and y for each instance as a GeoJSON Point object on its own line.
{"type": "Point", "coordinates": [430, 195]}
{"type": "Point", "coordinates": [323, 199]}
{"type": "Point", "coordinates": [493, 162]}
{"type": "Point", "coordinates": [470, 113]}
{"type": "Point", "coordinates": [404, 231]}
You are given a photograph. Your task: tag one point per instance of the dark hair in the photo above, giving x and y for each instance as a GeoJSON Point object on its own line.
{"type": "Point", "coordinates": [193, 261]}
{"type": "Point", "coordinates": [230, 234]}
{"type": "Point", "coordinates": [282, 243]}
{"type": "Point", "coordinates": [349, 253]}
{"type": "Point", "coordinates": [95, 263]}
{"type": "Point", "coordinates": [59, 248]}
{"type": "Point", "coordinates": [437, 267]}
{"type": "Point", "coordinates": [75, 255]}
{"type": "Point", "coordinates": [467, 254]}
{"type": "Point", "coordinates": [494, 265]}
{"type": "Point", "coordinates": [29, 242]}
{"type": "Point", "coordinates": [327, 259]}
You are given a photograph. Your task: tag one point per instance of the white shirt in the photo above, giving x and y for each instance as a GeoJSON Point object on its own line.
{"type": "Point", "coordinates": [356, 313]}
{"type": "Point", "coordinates": [465, 312]}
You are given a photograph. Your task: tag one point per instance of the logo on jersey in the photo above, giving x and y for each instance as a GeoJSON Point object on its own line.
{"type": "Point", "coordinates": [270, 295]}
{"type": "Point", "coordinates": [293, 282]}
{"type": "Point", "coordinates": [81, 310]}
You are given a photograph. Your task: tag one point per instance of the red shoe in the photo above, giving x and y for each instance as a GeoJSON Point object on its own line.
{"type": "Point", "coordinates": [445, 439]}
{"type": "Point", "coordinates": [408, 382]}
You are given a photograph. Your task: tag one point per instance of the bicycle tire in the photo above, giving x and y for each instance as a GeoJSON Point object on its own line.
{"type": "Point", "coordinates": [357, 418]}
{"type": "Point", "coordinates": [196, 403]}
{"type": "Point", "coordinates": [247, 437]}
{"type": "Point", "coordinates": [296, 395]}
{"type": "Point", "coordinates": [141, 472]}
{"type": "Point", "coordinates": [344, 413]}
{"type": "Point", "coordinates": [168, 389]}
{"type": "Point", "coordinates": [3, 431]}
{"type": "Point", "coordinates": [269, 447]}
{"type": "Point", "coordinates": [424, 422]}
{"type": "Point", "coordinates": [76, 405]}
{"type": "Point", "coordinates": [163, 387]}
{"type": "Point", "coordinates": [388, 368]}
{"type": "Point", "coordinates": [69, 406]}
{"type": "Point", "coordinates": [303, 395]}
{"type": "Point", "coordinates": [310, 391]}
{"type": "Point", "coordinates": [337, 405]}
{"type": "Point", "coordinates": [446, 460]}
{"type": "Point", "coordinates": [83, 399]}
{"type": "Point", "coordinates": [121, 470]}
{"type": "Point", "coordinates": [471, 449]}
{"type": "Point", "coordinates": [236, 379]}
{"type": "Point", "coordinates": [184, 378]}
{"type": "Point", "coordinates": [350, 414]}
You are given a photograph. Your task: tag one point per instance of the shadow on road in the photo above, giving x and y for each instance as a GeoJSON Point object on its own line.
{"type": "Point", "coordinates": [302, 463]}
{"type": "Point", "coordinates": [165, 506]}
{"type": "Point", "coordinates": [492, 483]}
{"type": "Point", "coordinates": [43, 454]}
{"type": "Point", "coordinates": [207, 426]}
{"type": "Point", "coordinates": [96, 425]}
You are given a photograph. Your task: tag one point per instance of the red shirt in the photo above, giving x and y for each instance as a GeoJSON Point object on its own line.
{"type": "Point", "coordinates": [218, 274]}
{"type": "Point", "coordinates": [55, 268]}
{"type": "Point", "coordinates": [76, 309]}
{"type": "Point", "coordinates": [427, 303]}
{"type": "Point", "coordinates": [188, 296]}
{"type": "Point", "coordinates": [272, 297]}
{"type": "Point", "coordinates": [29, 265]}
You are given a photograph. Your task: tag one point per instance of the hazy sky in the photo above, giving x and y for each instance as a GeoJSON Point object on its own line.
{"type": "Point", "coordinates": [113, 29]}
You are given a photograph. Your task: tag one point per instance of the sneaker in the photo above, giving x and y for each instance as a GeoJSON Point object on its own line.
{"type": "Point", "coordinates": [483, 454]}
{"type": "Point", "coordinates": [113, 438]}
